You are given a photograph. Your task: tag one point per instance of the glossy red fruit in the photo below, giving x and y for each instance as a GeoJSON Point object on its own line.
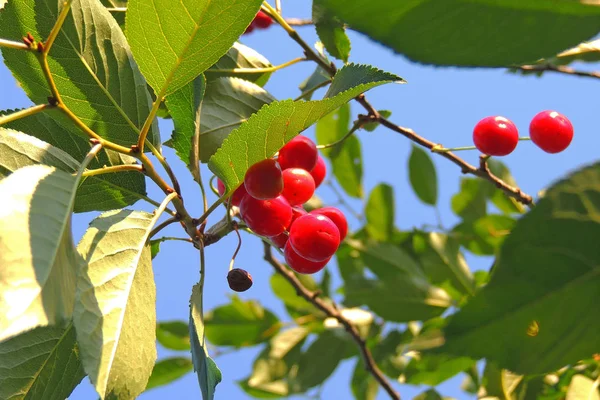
{"type": "Point", "coordinates": [337, 217]}
{"type": "Point", "coordinates": [319, 171]}
{"type": "Point", "coordinates": [281, 239]}
{"type": "Point", "coordinates": [551, 131]}
{"type": "Point", "coordinates": [301, 264]}
{"type": "Point", "coordinates": [236, 197]}
{"type": "Point", "coordinates": [314, 237]}
{"type": "Point", "coordinates": [298, 186]}
{"type": "Point", "coordinates": [262, 20]}
{"type": "Point", "coordinates": [264, 180]}
{"type": "Point", "coordinates": [496, 136]}
{"type": "Point", "coordinates": [266, 217]}
{"type": "Point", "coordinates": [249, 29]}
{"type": "Point", "coordinates": [300, 152]}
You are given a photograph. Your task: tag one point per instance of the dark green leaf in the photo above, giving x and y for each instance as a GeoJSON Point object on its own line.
{"type": "Point", "coordinates": [192, 37]}
{"type": "Point", "coordinates": [364, 386]}
{"type": "Point", "coordinates": [240, 56]}
{"type": "Point", "coordinates": [430, 394]}
{"type": "Point", "coordinates": [346, 157]}
{"type": "Point", "coordinates": [95, 193]}
{"type": "Point", "coordinates": [371, 126]}
{"type": "Point", "coordinates": [499, 382]}
{"type": "Point", "coordinates": [240, 323]}
{"type": "Point", "coordinates": [91, 62]}
{"type": "Point", "coordinates": [401, 293]}
{"type": "Point", "coordinates": [174, 335]}
{"type": "Point", "coordinates": [207, 371]}
{"type": "Point", "coordinates": [319, 78]}
{"type": "Point", "coordinates": [277, 123]}
{"type": "Point", "coordinates": [379, 212]}
{"type": "Point", "coordinates": [423, 177]}
{"type": "Point", "coordinates": [462, 33]}
{"type": "Point", "coordinates": [295, 304]}
{"type": "Point", "coordinates": [331, 31]}
{"type": "Point", "coordinates": [388, 356]}
{"type": "Point", "coordinates": [169, 370]}
{"type": "Point", "coordinates": [545, 282]}
{"type": "Point", "coordinates": [433, 369]}
{"type": "Point", "coordinates": [329, 349]}
{"type": "Point", "coordinates": [154, 248]}
{"type": "Point", "coordinates": [40, 364]}
{"type": "Point", "coordinates": [507, 205]}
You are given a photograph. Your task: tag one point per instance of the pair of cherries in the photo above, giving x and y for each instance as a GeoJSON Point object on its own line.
{"type": "Point", "coordinates": [271, 199]}
{"type": "Point", "coordinates": [498, 136]}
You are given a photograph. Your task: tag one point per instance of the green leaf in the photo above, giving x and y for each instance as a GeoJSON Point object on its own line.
{"type": "Point", "coordinates": [185, 106]}
{"type": "Point", "coordinates": [91, 62]}
{"type": "Point", "coordinates": [507, 205]}
{"type": "Point", "coordinates": [169, 370]}
{"type": "Point", "coordinates": [40, 364]}
{"type": "Point", "coordinates": [364, 386]}
{"type": "Point", "coordinates": [485, 235]}
{"type": "Point", "coordinates": [371, 126]}
{"type": "Point", "coordinates": [499, 382]}
{"type": "Point", "coordinates": [95, 193]}
{"type": "Point", "coordinates": [270, 372]}
{"type": "Point", "coordinates": [582, 387]}
{"type": "Point", "coordinates": [388, 354]}
{"type": "Point", "coordinates": [346, 158]}
{"type": "Point", "coordinates": [433, 369]}
{"type": "Point", "coordinates": [38, 262]}
{"type": "Point", "coordinates": [277, 123]}
{"type": "Point", "coordinates": [240, 56]}
{"type": "Point", "coordinates": [544, 283]}
{"type": "Point", "coordinates": [319, 78]}
{"type": "Point", "coordinates": [115, 311]}
{"type": "Point", "coordinates": [192, 37]}
{"type": "Point", "coordinates": [297, 306]}
{"type": "Point", "coordinates": [207, 371]}
{"type": "Point", "coordinates": [471, 202]}
{"type": "Point", "coordinates": [422, 175]}
{"type": "Point", "coordinates": [331, 31]}
{"type": "Point", "coordinates": [240, 324]}
{"type": "Point", "coordinates": [443, 262]}
{"type": "Point", "coordinates": [154, 248]}
{"type": "Point", "coordinates": [329, 349]}
{"type": "Point", "coordinates": [173, 335]}
{"type": "Point", "coordinates": [444, 33]}
{"type": "Point", "coordinates": [430, 394]}
{"type": "Point", "coordinates": [379, 212]}
{"type": "Point", "coordinates": [401, 293]}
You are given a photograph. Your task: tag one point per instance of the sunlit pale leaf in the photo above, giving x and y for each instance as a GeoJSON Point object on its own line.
{"type": "Point", "coordinates": [115, 312]}
{"type": "Point", "coordinates": [38, 262]}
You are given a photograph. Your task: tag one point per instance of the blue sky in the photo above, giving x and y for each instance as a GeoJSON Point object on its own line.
{"type": "Point", "coordinates": [442, 104]}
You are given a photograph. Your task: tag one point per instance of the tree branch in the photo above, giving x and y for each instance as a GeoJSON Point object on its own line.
{"type": "Point", "coordinates": [561, 69]}
{"type": "Point", "coordinates": [332, 311]}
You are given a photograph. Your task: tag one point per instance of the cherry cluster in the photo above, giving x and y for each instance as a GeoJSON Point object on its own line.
{"type": "Point", "coordinates": [261, 21]}
{"type": "Point", "coordinates": [271, 199]}
{"type": "Point", "coordinates": [498, 136]}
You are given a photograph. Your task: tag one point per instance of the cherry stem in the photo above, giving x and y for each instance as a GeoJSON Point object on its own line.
{"type": "Point", "coordinates": [239, 245]}
{"type": "Point", "coordinates": [440, 149]}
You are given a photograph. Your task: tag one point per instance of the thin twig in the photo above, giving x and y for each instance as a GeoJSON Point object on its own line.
{"type": "Point", "coordinates": [5, 119]}
{"type": "Point", "coordinates": [278, 6]}
{"type": "Point", "coordinates": [114, 169]}
{"type": "Point", "coordinates": [332, 311]}
{"type": "Point", "coordinates": [561, 69]}
{"type": "Point", "coordinates": [13, 45]}
{"type": "Point", "coordinates": [162, 225]}
{"type": "Point", "coordinates": [356, 126]}
{"type": "Point", "coordinates": [483, 171]}
{"type": "Point", "coordinates": [257, 70]}
{"type": "Point", "coordinates": [298, 21]}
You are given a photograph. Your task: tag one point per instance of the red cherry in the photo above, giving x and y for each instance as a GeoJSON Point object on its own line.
{"type": "Point", "coordinates": [249, 29]}
{"type": "Point", "coordinates": [496, 136]}
{"type": "Point", "coordinates": [314, 237]}
{"type": "Point", "coordinates": [281, 239]}
{"type": "Point", "coordinates": [298, 186]}
{"type": "Point", "coordinates": [551, 131]}
{"type": "Point", "coordinates": [319, 171]}
{"type": "Point", "coordinates": [264, 180]}
{"type": "Point", "coordinates": [301, 264]}
{"type": "Point", "coordinates": [236, 197]}
{"type": "Point", "coordinates": [336, 216]}
{"type": "Point", "coordinates": [262, 20]}
{"type": "Point", "coordinates": [300, 152]}
{"type": "Point", "coordinates": [266, 217]}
